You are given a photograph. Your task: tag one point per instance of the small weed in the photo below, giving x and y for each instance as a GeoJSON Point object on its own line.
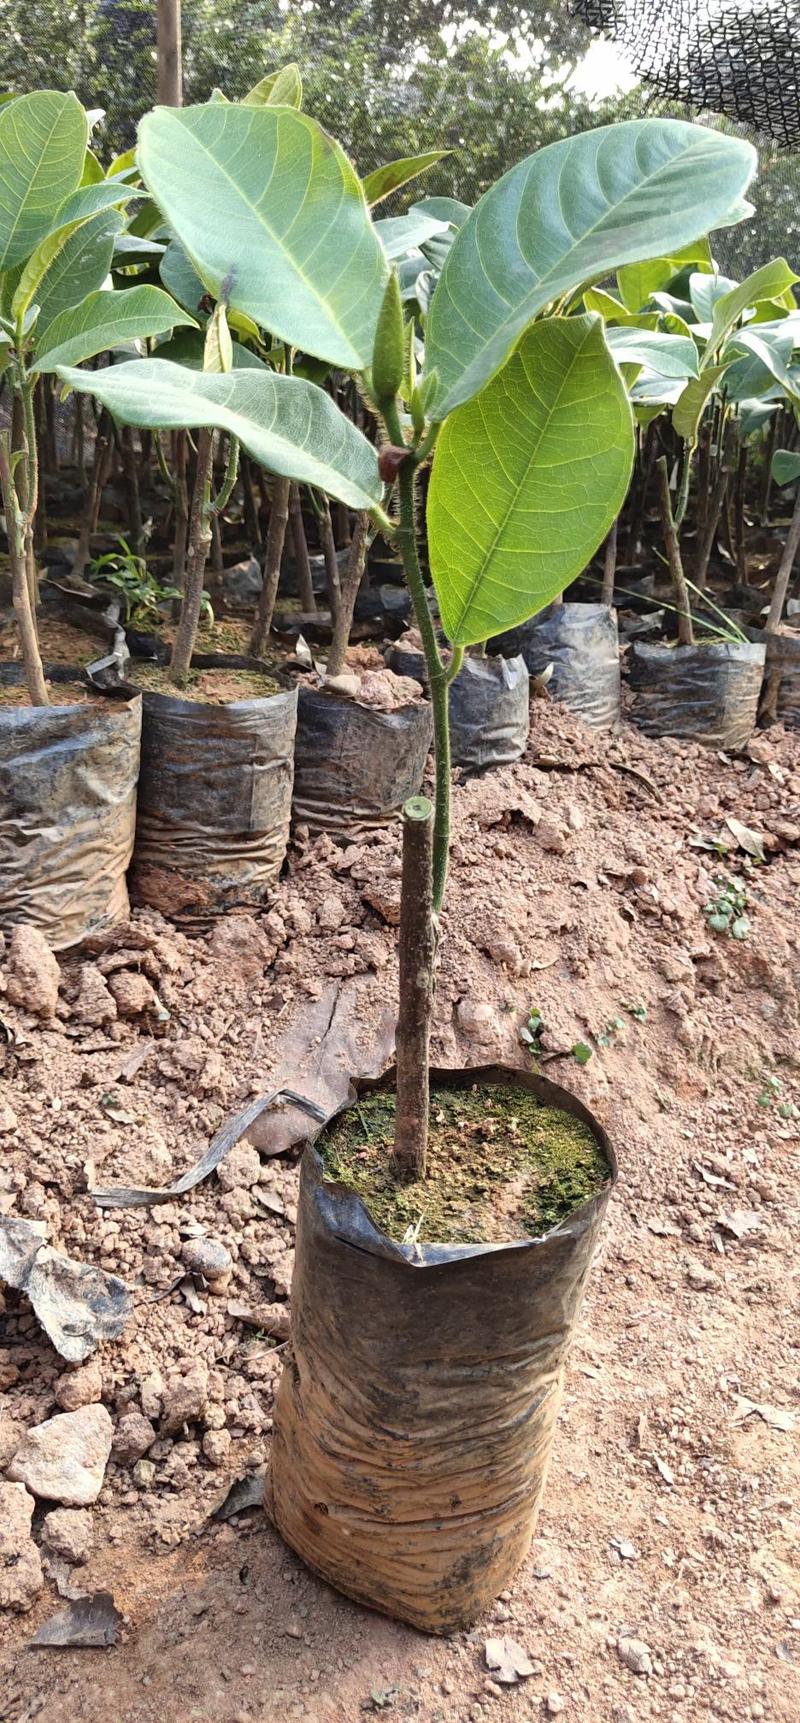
{"type": "Point", "coordinates": [141, 594]}
{"type": "Point", "coordinates": [531, 1032]}
{"type": "Point", "coordinates": [609, 1034]}
{"type": "Point", "coordinates": [726, 912]}
{"type": "Point", "coordinates": [634, 1010]}
{"type": "Point", "coordinates": [770, 1096]}
{"type": "Point", "coordinates": [581, 1052]}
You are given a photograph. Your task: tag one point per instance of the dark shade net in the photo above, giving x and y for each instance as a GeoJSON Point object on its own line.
{"type": "Point", "coordinates": [734, 57]}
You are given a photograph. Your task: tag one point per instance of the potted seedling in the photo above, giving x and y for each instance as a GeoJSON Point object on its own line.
{"type": "Point", "coordinates": [69, 809]}
{"type": "Point", "coordinates": [416, 1410]}
{"type": "Point", "coordinates": [708, 690]}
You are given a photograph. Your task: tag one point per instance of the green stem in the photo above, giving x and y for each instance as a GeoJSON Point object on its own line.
{"type": "Point", "coordinates": [223, 495]}
{"type": "Point", "coordinates": [682, 497]}
{"type": "Point", "coordinates": [456, 661]}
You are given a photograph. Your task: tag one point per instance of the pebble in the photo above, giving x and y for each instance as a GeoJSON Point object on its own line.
{"type": "Point", "coordinates": [81, 1387]}
{"type": "Point", "coordinates": [216, 1446]}
{"type": "Point", "coordinates": [242, 1167]}
{"type": "Point", "coordinates": [95, 1003]}
{"type": "Point", "coordinates": [65, 1458]}
{"type": "Point", "coordinates": [133, 1436]}
{"type": "Point", "coordinates": [184, 1397]}
{"type": "Point", "coordinates": [554, 1704]}
{"type": "Point", "coordinates": [206, 1256]}
{"type": "Point", "coordinates": [69, 1532]}
{"type": "Point", "coordinates": [635, 1655]}
{"type": "Point", "coordinates": [21, 1577]}
{"type": "Point", "coordinates": [144, 1473]}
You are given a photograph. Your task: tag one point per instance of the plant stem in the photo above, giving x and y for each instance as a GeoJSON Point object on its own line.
{"type": "Point", "coordinates": [223, 495]}
{"type": "Point", "coordinates": [682, 498]}
{"type": "Point", "coordinates": [610, 565]}
{"type": "Point", "coordinates": [102, 446]}
{"type": "Point", "coordinates": [348, 593]}
{"type": "Point", "coordinates": [199, 543]}
{"type": "Point", "coordinates": [276, 534]}
{"type": "Point", "coordinates": [437, 676]}
{"type": "Point", "coordinates": [21, 596]}
{"type": "Point", "coordinates": [784, 574]}
{"type": "Point", "coordinates": [181, 510]}
{"type": "Point", "coordinates": [128, 454]}
{"type": "Point", "coordinates": [302, 564]}
{"type": "Point", "coordinates": [30, 468]}
{"type": "Point", "coordinates": [673, 549]}
{"type": "Point", "coordinates": [417, 953]}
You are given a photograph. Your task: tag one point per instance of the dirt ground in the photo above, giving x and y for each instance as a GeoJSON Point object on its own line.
{"type": "Point", "coordinates": [671, 1514]}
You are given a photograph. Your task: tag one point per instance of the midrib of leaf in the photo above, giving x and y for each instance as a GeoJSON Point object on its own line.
{"type": "Point", "coordinates": [323, 304]}
{"type": "Point", "coordinates": [470, 598]}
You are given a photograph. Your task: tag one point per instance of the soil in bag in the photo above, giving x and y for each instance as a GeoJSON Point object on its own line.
{"type": "Point", "coordinates": [489, 706]}
{"type": "Point", "coordinates": [355, 765]}
{"type": "Point", "coordinates": [417, 1408]}
{"type": "Point", "coordinates": [582, 644]}
{"type": "Point", "coordinates": [780, 695]}
{"type": "Point", "coordinates": [706, 693]}
{"type": "Point", "coordinates": [68, 775]}
{"type": "Point", "coordinates": [216, 785]}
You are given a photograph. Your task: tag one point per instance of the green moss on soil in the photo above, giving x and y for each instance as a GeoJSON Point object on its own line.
{"type": "Point", "coordinates": [501, 1166]}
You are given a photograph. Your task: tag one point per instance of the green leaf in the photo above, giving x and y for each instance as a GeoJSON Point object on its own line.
{"type": "Point", "coordinates": [34, 271]}
{"type": "Point", "coordinates": [218, 346]}
{"type": "Point", "coordinates": [105, 320]}
{"type": "Point", "coordinates": [383, 181]}
{"type": "Point", "coordinates": [689, 408]}
{"type": "Point", "coordinates": [43, 140]}
{"type": "Point", "coordinates": [767, 355]}
{"type": "Point", "coordinates": [527, 479]}
{"type": "Point", "coordinates": [573, 212]}
{"type": "Point", "coordinates": [765, 283]}
{"type": "Point", "coordinates": [449, 209]}
{"type": "Point", "coordinates": [122, 164]}
{"type": "Point", "coordinates": [582, 1052]}
{"type": "Point", "coordinates": [283, 88]}
{"type": "Point", "coordinates": [705, 290]}
{"type": "Point", "coordinates": [92, 170]}
{"type": "Point", "coordinates": [401, 233]}
{"type": "Point", "coordinates": [266, 204]}
{"type": "Point", "coordinates": [80, 267]}
{"type": "Point", "coordinates": [785, 466]}
{"type": "Point", "coordinates": [667, 355]}
{"type": "Point", "coordinates": [180, 277]}
{"type": "Point", "coordinates": [638, 282]}
{"type": "Point", "coordinates": [289, 426]}
{"type": "Point", "coordinates": [90, 199]}
{"type": "Point", "coordinates": [188, 345]}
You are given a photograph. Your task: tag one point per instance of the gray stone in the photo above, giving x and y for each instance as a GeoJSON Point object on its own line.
{"type": "Point", "coordinates": [65, 1458]}
{"type": "Point", "coordinates": [133, 1436]}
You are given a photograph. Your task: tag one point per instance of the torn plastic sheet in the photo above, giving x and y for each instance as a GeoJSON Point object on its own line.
{"type": "Point", "coordinates": [77, 1305]}
{"type": "Point", "coordinates": [127, 1196]}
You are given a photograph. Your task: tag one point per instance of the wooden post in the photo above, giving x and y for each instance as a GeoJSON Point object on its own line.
{"type": "Point", "coordinates": [170, 68]}
{"type": "Point", "coordinates": [417, 953]}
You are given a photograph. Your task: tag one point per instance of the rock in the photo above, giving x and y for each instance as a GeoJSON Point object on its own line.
{"type": "Point", "coordinates": [701, 1278]}
{"type": "Point", "coordinates": [346, 683]}
{"type": "Point", "coordinates": [133, 1436]}
{"type": "Point", "coordinates": [243, 943]}
{"type": "Point", "coordinates": [477, 1021]}
{"type": "Point", "coordinates": [11, 1435]}
{"type": "Point", "coordinates": [241, 1167]}
{"type": "Point", "coordinates": [82, 1387]}
{"type": "Point", "coordinates": [135, 997]}
{"type": "Point", "coordinates": [331, 913]}
{"type": "Point", "coordinates": [550, 838]}
{"type": "Point", "coordinates": [8, 1120]}
{"type": "Point", "coordinates": [205, 1256]}
{"type": "Point", "coordinates": [216, 1446]}
{"type": "Point", "coordinates": [144, 1473]}
{"type": "Point", "coordinates": [21, 1577]}
{"type": "Point", "coordinates": [635, 1655]}
{"type": "Point", "coordinates": [33, 973]}
{"type": "Point", "coordinates": [274, 1319]}
{"type": "Point", "coordinates": [69, 1532]}
{"type": "Point", "coordinates": [65, 1458]}
{"type": "Point", "coordinates": [95, 1003]}
{"type": "Point", "coordinates": [554, 1704]}
{"type": "Point", "coordinates": [185, 1397]}
{"type": "Point", "coordinates": [150, 1394]}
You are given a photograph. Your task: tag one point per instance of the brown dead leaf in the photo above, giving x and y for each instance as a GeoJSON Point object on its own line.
{"type": "Point", "coordinates": [778, 1417]}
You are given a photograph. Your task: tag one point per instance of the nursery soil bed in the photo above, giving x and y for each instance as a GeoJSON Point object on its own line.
{"type": "Point", "coordinates": [670, 1512]}
{"type": "Point", "coordinates": [59, 642]}
{"type": "Point", "coordinates": [209, 687]}
{"type": "Point", "coordinates": [61, 694]}
{"type": "Point", "coordinates": [501, 1166]}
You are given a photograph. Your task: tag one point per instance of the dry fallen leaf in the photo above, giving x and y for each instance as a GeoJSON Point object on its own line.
{"type": "Point", "coordinates": [507, 1660]}
{"type": "Point", "coordinates": [778, 1417]}
{"type": "Point", "coordinates": [665, 1470]}
{"type": "Point", "coordinates": [740, 1222]}
{"type": "Point", "coordinates": [751, 842]}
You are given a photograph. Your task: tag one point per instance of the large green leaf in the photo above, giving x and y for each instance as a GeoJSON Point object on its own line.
{"type": "Point", "coordinates": [188, 347]}
{"type": "Point", "coordinates": [91, 199]}
{"type": "Point", "coordinates": [571, 213]}
{"type": "Point", "coordinates": [266, 204]}
{"type": "Point", "coordinates": [80, 267]}
{"type": "Point", "coordinates": [382, 181]}
{"type": "Point", "coordinates": [289, 426]}
{"type": "Point", "coordinates": [43, 140]}
{"type": "Point", "coordinates": [527, 479]}
{"type": "Point", "coordinates": [785, 466]}
{"type": "Point", "coordinates": [105, 320]}
{"type": "Point", "coordinates": [667, 355]}
{"type": "Point", "coordinates": [766, 361]}
{"type": "Point", "coordinates": [180, 276]}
